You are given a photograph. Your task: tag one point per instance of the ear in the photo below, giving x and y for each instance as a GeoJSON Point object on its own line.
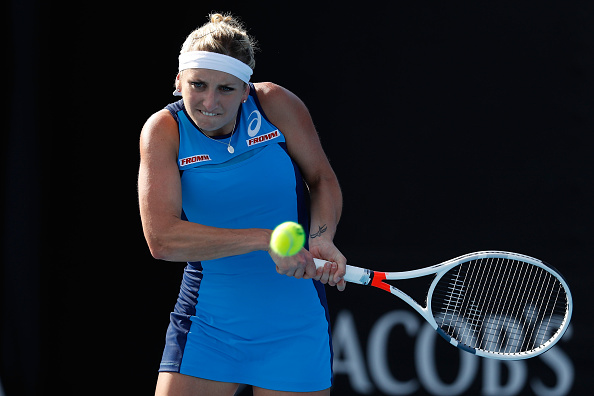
{"type": "Point", "coordinates": [178, 82]}
{"type": "Point", "coordinates": [246, 93]}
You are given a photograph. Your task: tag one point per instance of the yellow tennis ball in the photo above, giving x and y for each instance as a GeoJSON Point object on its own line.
{"type": "Point", "coordinates": [287, 239]}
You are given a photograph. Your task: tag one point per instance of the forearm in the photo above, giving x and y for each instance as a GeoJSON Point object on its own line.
{"type": "Point", "coordinates": [185, 241]}
{"type": "Point", "coordinates": [326, 209]}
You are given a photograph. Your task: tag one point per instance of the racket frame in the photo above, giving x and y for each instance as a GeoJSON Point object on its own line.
{"type": "Point", "coordinates": [367, 277]}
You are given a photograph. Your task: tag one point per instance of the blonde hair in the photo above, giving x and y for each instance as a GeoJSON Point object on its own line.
{"type": "Point", "coordinates": [225, 35]}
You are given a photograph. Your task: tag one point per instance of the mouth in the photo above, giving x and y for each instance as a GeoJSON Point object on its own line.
{"type": "Point", "coordinates": [208, 114]}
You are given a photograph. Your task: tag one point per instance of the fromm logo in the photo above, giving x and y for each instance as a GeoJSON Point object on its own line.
{"type": "Point", "coordinates": [263, 138]}
{"type": "Point", "coordinates": [193, 159]}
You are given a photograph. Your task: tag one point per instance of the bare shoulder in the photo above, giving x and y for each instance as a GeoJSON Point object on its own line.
{"type": "Point", "coordinates": [279, 104]}
{"type": "Point", "coordinates": [159, 131]}
{"type": "Point", "coordinates": [161, 122]}
{"type": "Point", "coordinates": [285, 110]}
{"type": "Point", "coordinates": [268, 91]}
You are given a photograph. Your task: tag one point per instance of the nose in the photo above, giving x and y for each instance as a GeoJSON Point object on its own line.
{"type": "Point", "coordinates": [210, 100]}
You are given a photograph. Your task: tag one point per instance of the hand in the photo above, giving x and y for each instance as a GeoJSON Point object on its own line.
{"type": "Point", "coordinates": [300, 266]}
{"type": "Point", "coordinates": [334, 270]}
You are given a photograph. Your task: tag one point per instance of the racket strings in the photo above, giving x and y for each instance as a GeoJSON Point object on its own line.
{"type": "Point", "coordinates": [500, 305]}
{"type": "Point", "coordinates": [509, 342]}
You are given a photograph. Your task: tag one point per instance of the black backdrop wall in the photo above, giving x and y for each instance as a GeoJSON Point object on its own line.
{"type": "Point", "coordinates": [452, 129]}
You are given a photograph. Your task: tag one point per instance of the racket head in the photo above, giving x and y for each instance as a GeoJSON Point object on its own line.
{"type": "Point", "coordinates": [499, 305]}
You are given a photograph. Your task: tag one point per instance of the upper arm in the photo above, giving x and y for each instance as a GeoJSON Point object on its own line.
{"type": "Point", "coordinates": [159, 185]}
{"type": "Point", "coordinates": [285, 110]}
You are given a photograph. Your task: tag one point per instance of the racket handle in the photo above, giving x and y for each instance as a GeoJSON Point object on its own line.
{"type": "Point", "coordinates": [353, 274]}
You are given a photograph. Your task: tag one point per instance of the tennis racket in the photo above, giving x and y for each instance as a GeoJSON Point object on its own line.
{"type": "Point", "coordinates": [493, 304]}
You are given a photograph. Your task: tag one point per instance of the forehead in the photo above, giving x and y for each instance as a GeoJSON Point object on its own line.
{"type": "Point", "coordinates": [211, 76]}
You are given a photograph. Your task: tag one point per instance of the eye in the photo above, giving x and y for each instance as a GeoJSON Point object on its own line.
{"type": "Point", "coordinates": [197, 84]}
{"type": "Point", "coordinates": [225, 88]}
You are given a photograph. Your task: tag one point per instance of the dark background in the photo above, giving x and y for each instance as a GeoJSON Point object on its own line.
{"type": "Point", "coordinates": [452, 128]}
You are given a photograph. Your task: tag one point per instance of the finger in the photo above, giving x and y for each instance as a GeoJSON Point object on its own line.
{"type": "Point", "coordinates": [340, 272]}
{"type": "Point", "coordinates": [299, 273]}
{"type": "Point", "coordinates": [319, 273]}
{"type": "Point", "coordinates": [341, 285]}
{"type": "Point", "coordinates": [326, 274]}
{"type": "Point", "coordinates": [310, 270]}
{"type": "Point", "coordinates": [288, 272]}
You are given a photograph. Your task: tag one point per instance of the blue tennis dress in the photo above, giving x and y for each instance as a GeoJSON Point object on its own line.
{"type": "Point", "coordinates": [236, 319]}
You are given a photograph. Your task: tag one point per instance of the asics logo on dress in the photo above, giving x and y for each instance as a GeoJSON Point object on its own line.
{"type": "Point", "coordinates": [193, 159]}
{"type": "Point", "coordinates": [254, 123]}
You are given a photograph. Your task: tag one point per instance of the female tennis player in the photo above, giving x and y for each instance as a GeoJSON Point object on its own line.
{"type": "Point", "coordinates": [219, 170]}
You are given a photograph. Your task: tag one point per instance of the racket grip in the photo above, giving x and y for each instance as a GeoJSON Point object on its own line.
{"type": "Point", "coordinates": [353, 274]}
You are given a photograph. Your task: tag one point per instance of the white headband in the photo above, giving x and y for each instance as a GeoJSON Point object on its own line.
{"type": "Point", "coordinates": [215, 61]}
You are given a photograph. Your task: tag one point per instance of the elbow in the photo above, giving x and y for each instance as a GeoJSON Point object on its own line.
{"type": "Point", "coordinates": [162, 239]}
{"type": "Point", "coordinates": [159, 249]}
{"type": "Point", "coordinates": [158, 252]}
{"type": "Point", "coordinates": [324, 180]}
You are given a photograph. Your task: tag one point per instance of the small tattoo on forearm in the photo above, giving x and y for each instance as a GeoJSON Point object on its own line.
{"type": "Point", "coordinates": [321, 230]}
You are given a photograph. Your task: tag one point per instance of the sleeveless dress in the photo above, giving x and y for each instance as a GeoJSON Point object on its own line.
{"type": "Point", "coordinates": [236, 319]}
